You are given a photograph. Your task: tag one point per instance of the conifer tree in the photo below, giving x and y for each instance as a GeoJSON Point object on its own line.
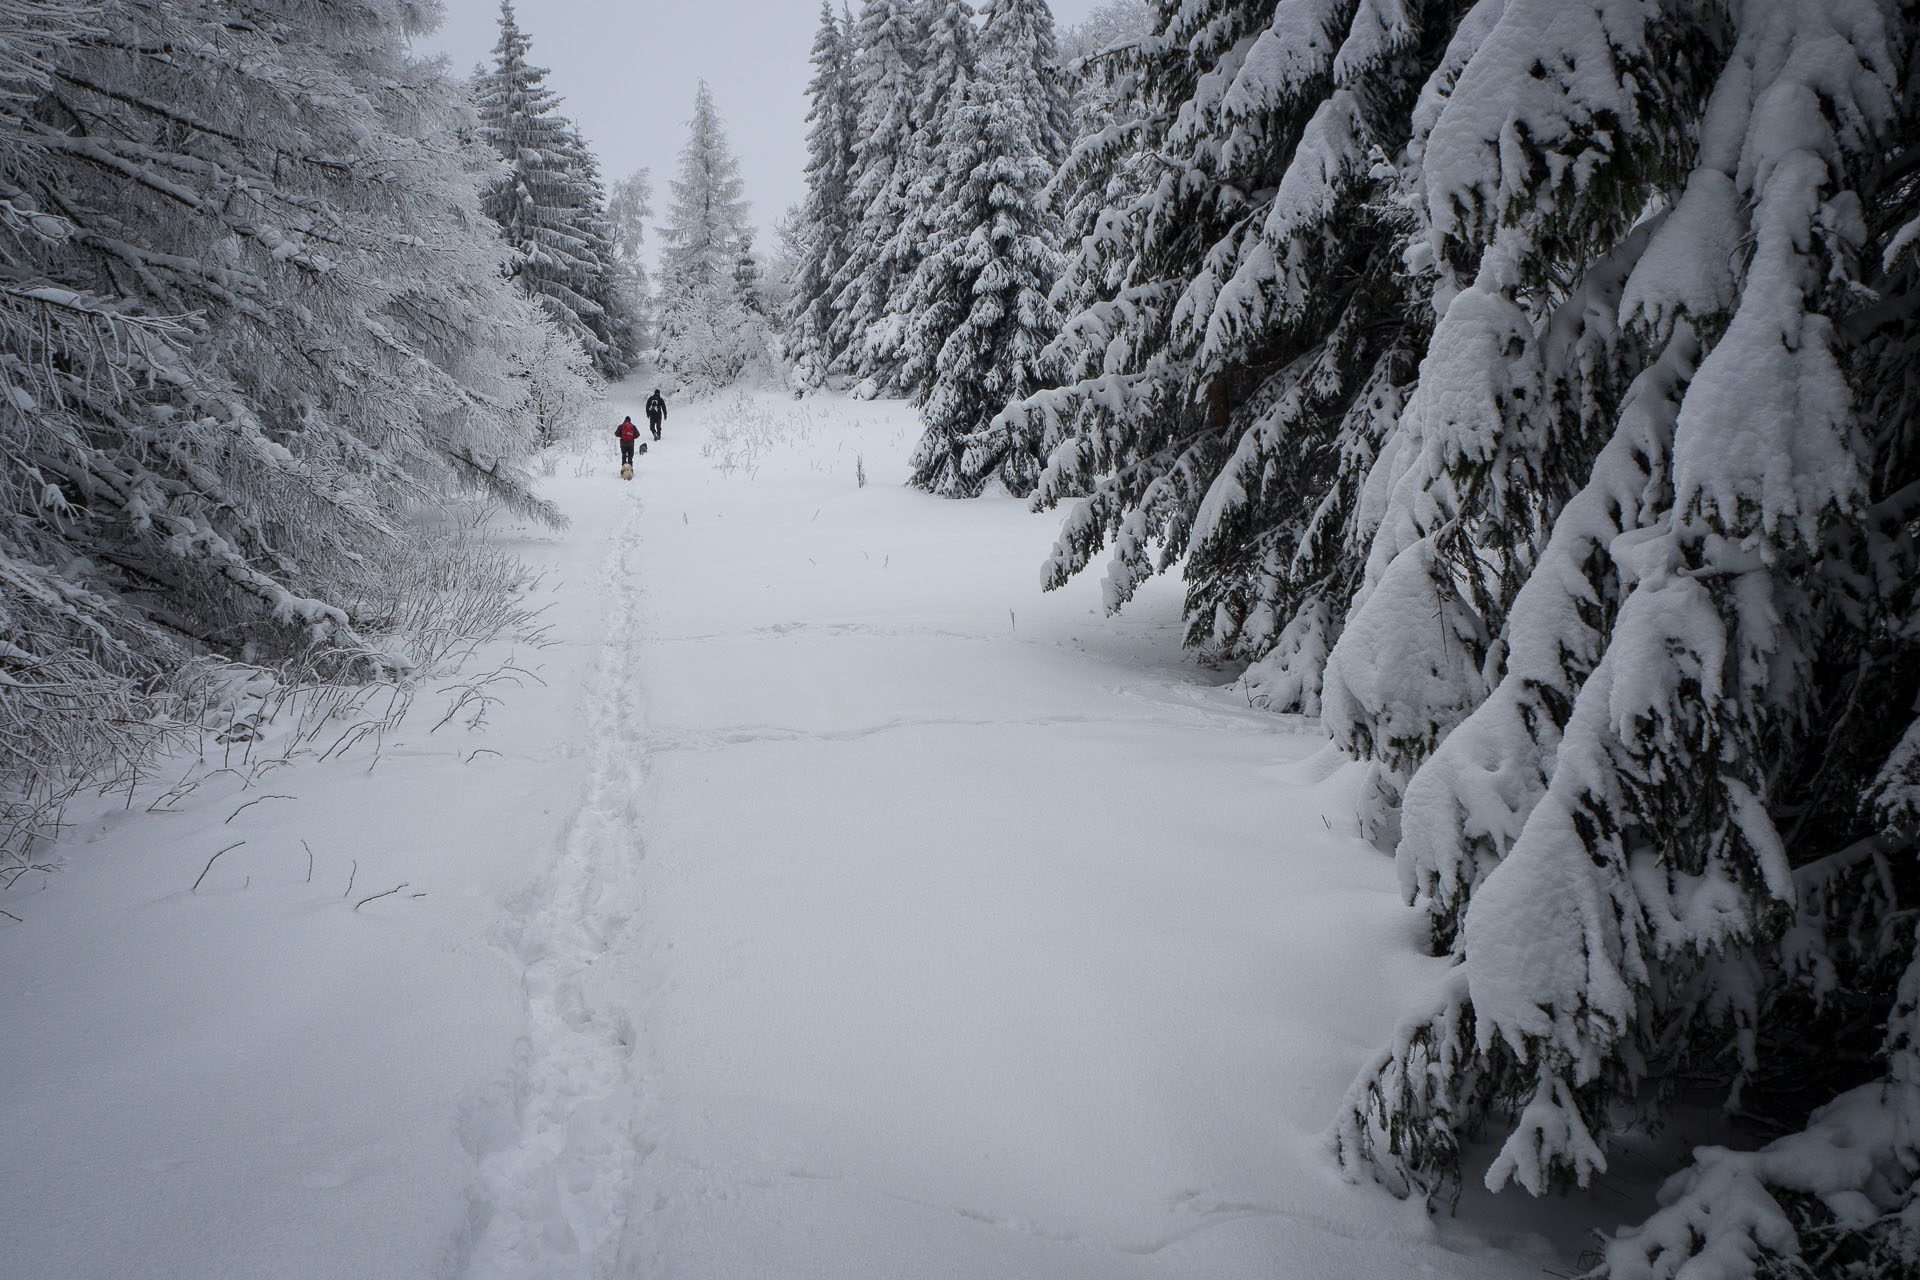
{"type": "Point", "coordinates": [1482, 461]}
{"type": "Point", "coordinates": [629, 209]}
{"type": "Point", "coordinates": [1018, 38]}
{"type": "Point", "coordinates": [781, 268]}
{"type": "Point", "coordinates": [947, 69]}
{"type": "Point", "coordinates": [1648, 847]}
{"type": "Point", "coordinates": [979, 301]}
{"type": "Point", "coordinates": [550, 206]}
{"type": "Point", "coordinates": [1102, 173]}
{"type": "Point", "coordinates": [887, 40]}
{"type": "Point", "coordinates": [746, 275]}
{"type": "Point", "coordinates": [826, 216]}
{"type": "Point", "coordinates": [1245, 330]}
{"type": "Point", "coordinates": [707, 335]}
{"type": "Point", "coordinates": [251, 315]}
{"type": "Point", "coordinates": [708, 216]}
{"type": "Point", "coordinates": [1581, 335]}
{"type": "Point", "coordinates": [618, 323]}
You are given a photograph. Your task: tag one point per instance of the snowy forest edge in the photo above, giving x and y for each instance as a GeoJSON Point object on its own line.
{"type": "Point", "coordinates": [1524, 390]}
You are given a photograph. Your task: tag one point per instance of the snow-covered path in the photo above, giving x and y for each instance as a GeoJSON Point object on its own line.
{"type": "Point", "coordinates": [556, 1196]}
{"type": "Point", "coordinates": [821, 901]}
{"type": "Point", "coordinates": [969, 933]}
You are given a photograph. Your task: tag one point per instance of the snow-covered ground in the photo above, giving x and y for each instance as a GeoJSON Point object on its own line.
{"type": "Point", "coordinates": [823, 901]}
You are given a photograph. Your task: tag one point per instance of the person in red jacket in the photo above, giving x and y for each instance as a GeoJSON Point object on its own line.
{"type": "Point", "coordinates": [627, 434]}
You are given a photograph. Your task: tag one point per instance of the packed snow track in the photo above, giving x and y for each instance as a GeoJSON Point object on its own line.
{"type": "Point", "coordinates": [816, 898]}
{"type": "Point", "coordinates": [916, 923]}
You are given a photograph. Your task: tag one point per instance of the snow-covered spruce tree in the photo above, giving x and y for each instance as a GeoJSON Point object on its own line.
{"type": "Point", "coordinates": [1246, 328]}
{"type": "Point", "coordinates": [980, 315]}
{"type": "Point", "coordinates": [707, 335]}
{"type": "Point", "coordinates": [1842, 1003]}
{"type": "Point", "coordinates": [1103, 107]}
{"type": "Point", "coordinates": [1017, 38]}
{"type": "Point", "coordinates": [887, 40]}
{"type": "Point", "coordinates": [550, 206]}
{"type": "Point", "coordinates": [825, 224]}
{"type": "Point", "coordinates": [251, 311]}
{"type": "Point", "coordinates": [708, 216]}
{"type": "Point", "coordinates": [1524, 193]}
{"type": "Point", "coordinates": [619, 325]}
{"type": "Point", "coordinates": [1103, 173]}
{"type": "Point", "coordinates": [781, 267]}
{"type": "Point", "coordinates": [1663, 848]}
{"type": "Point", "coordinates": [1143, 237]}
{"type": "Point", "coordinates": [746, 275]}
{"type": "Point", "coordinates": [889, 357]}
{"type": "Point", "coordinates": [629, 209]}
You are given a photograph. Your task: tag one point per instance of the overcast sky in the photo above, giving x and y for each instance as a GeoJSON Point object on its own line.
{"type": "Point", "coordinates": [627, 71]}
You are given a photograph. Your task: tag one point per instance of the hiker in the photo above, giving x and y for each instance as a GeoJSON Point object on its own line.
{"type": "Point", "coordinates": [656, 412]}
{"type": "Point", "coordinates": [627, 434]}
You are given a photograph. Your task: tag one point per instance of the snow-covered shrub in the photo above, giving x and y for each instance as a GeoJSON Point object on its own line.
{"type": "Point", "coordinates": [709, 342]}
{"type": "Point", "coordinates": [67, 722]}
{"type": "Point", "coordinates": [743, 431]}
{"type": "Point", "coordinates": [559, 386]}
{"type": "Point", "coordinates": [444, 593]}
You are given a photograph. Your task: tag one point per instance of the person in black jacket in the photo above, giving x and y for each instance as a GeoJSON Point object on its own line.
{"type": "Point", "coordinates": [656, 412]}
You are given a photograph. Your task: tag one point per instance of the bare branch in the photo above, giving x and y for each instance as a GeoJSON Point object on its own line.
{"type": "Point", "coordinates": [210, 861]}
{"type": "Point", "coordinates": [376, 897]}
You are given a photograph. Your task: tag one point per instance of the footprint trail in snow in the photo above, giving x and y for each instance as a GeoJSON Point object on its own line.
{"type": "Point", "coordinates": [915, 923]}
{"type": "Point", "coordinates": [556, 1200]}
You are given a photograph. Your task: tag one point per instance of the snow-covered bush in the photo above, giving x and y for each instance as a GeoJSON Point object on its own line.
{"type": "Point", "coordinates": [746, 428]}
{"type": "Point", "coordinates": [67, 722]}
{"type": "Point", "coordinates": [445, 592]}
{"type": "Point", "coordinates": [559, 386]}
{"type": "Point", "coordinates": [708, 341]}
